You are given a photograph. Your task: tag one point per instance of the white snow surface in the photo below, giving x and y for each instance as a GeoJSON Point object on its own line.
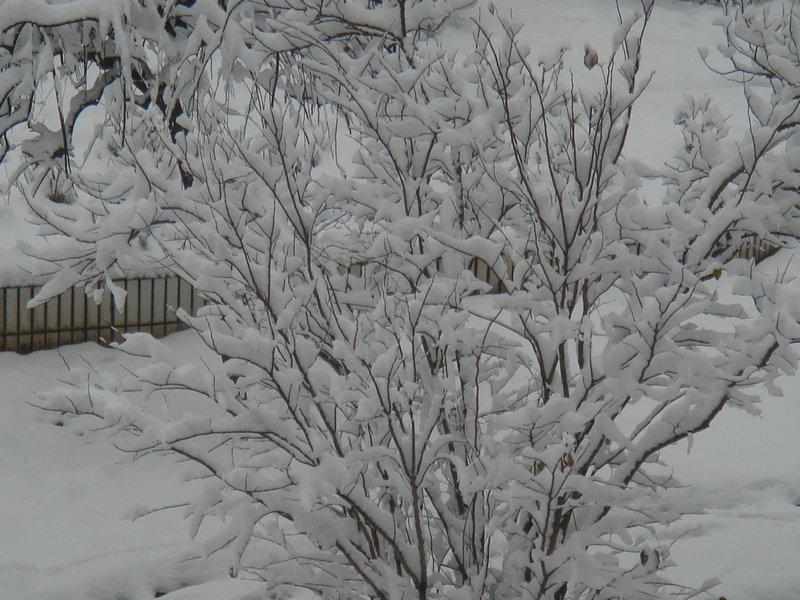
{"type": "Point", "coordinates": [66, 499]}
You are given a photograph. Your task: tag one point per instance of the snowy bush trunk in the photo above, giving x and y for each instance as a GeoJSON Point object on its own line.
{"type": "Point", "coordinates": [376, 427]}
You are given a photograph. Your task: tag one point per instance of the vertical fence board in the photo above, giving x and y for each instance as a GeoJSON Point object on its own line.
{"type": "Point", "coordinates": [159, 307]}
{"type": "Point", "coordinates": [184, 296]}
{"type": "Point", "coordinates": [117, 316]}
{"type": "Point", "coordinates": [38, 319]}
{"type": "Point", "coordinates": [106, 310]}
{"type": "Point", "coordinates": [65, 320]}
{"type": "Point", "coordinates": [132, 304]}
{"type": "Point", "coordinates": [79, 317]}
{"type": "Point", "coordinates": [196, 303]}
{"type": "Point", "coordinates": [172, 298]}
{"type": "Point", "coordinates": [12, 310]}
{"type": "Point", "coordinates": [3, 319]}
{"type": "Point", "coordinates": [92, 316]}
{"type": "Point", "coordinates": [25, 322]}
{"type": "Point", "coordinates": [145, 321]}
{"type": "Point", "coordinates": [3, 311]}
{"type": "Point", "coordinates": [51, 322]}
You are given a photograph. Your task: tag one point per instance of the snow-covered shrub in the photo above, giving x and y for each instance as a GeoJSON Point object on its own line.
{"type": "Point", "coordinates": [727, 2]}
{"type": "Point", "coordinates": [374, 426]}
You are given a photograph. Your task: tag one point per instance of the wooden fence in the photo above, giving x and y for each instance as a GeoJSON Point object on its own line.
{"type": "Point", "coordinates": [72, 317]}
{"type": "Point", "coordinates": [757, 249]}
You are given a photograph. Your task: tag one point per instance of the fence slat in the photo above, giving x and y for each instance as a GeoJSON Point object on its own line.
{"type": "Point", "coordinates": [132, 322]}
{"type": "Point", "coordinates": [145, 321]}
{"type": "Point", "coordinates": [118, 316]}
{"type": "Point", "coordinates": [79, 304]}
{"type": "Point", "coordinates": [65, 320]}
{"type": "Point", "coordinates": [185, 296]}
{"type": "Point", "coordinates": [171, 305]}
{"type": "Point", "coordinates": [3, 319]}
{"type": "Point", "coordinates": [92, 318]}
{"type": "Point", "coordinates": [51, 322]}
{"type": "Point", "coordinates": [12, 311]}
{"type": "Point", "coordinates": [38, 317]}
{"type": "Point", "coordinates": [159, 307]}
{"type": "Point", "coordinates": [25, 320]}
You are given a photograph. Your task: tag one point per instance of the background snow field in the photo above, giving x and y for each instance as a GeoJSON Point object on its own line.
{"type": "Point", "coordinates": [66, 498]}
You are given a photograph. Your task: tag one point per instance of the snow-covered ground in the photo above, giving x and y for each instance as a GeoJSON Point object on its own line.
{"type": "Point", "coordinates": [66, 499]}
{"type": "Point", "coordinates": [67, 502]}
